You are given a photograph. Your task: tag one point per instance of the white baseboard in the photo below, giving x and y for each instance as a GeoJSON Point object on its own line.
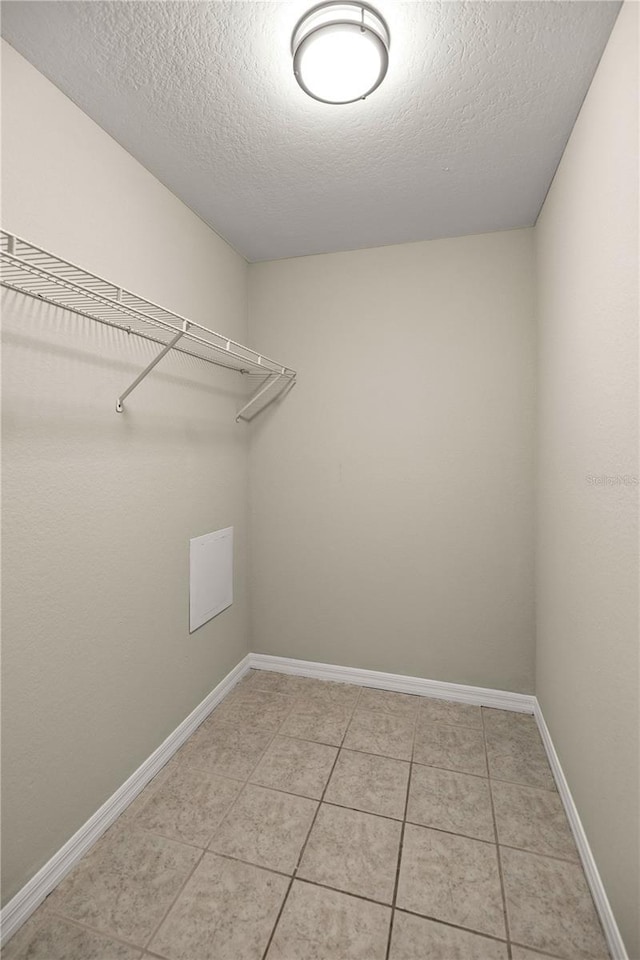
{"type": "Point", "coordinates": [49, 876]}
{"type": "Point", "coordinates": [484, 697]}
{"type": "Point", "coordinates": [607, 919]}
{"type": "Point", "coordinates": [479, 696]}
{"type": "Point", "coordinates": [40, 886]}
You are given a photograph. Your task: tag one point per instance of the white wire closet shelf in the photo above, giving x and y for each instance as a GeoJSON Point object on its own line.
{"type": "Point", "coordinates": [29, 269]}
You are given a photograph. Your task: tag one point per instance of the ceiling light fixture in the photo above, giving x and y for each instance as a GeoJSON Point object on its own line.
{"type": "Point", "coordinates": [340, 51]}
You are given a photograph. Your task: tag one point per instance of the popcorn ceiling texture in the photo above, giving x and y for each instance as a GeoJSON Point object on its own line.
{"type": "Point", "coordinates": [463, 137]}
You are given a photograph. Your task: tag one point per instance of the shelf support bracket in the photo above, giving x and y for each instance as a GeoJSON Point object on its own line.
{"type": "Point", "coordinates": [271, 380]}
{"type": "Point", "coordinates": [150, 366]}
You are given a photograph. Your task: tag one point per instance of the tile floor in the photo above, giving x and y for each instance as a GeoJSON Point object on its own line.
{"type": "Point", "coordinates": [307, 820]}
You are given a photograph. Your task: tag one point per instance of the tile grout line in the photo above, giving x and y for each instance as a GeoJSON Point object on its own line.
{"type": "Point", "coordinates": [110, 934]}
{"type": "Point", "coordinates": [249, 863]}
{"type": "Point", "coordinates": [344, 806]}
{"type": "Point", "coordinates": [173, 901]}
{"type": "Point", "coordinates": [455, 926]}
{"type": "Point", "coordinates": [224, 776]}
{"type": "Point", "coordinates": [402, 832]}
{"type": "Point", "coordinates": [536, 853]}
{"type": "Point", "coordinates": [189, 843]}
{"type": "Point", "coordinates": [379, 903]}
{"type": "Point", "coordinates": [340, 747]}
{"type": "Point", "coordinates": [160, 956]}
{"type": "Point", "coordinates": [520, 783]}
{"type": "Point", "coordinates": [201, 857]}
{"type": "Point", "coordinates": [527, 739]}
{"type": "Point", "coordinates": [538, 953]}
{"type": "Point", "coordinates": [277, 733]}
{"type": "Point", "coordinates": [467, 773]}
{"type": "Point", "coordinates": [368, 753]}
{"type": "Point", "coordinates": [345, 893]}
{"type": "Point", "coordinates": [497, 843]}
{"type": "Point", "coordinates": [82, 925]}
{"type": "Point", "coordinates": [304, 845]}
{"type": "Point", "coordinates": [300, 697]}
{"type": "Point", "coordinates": [245, 782]}
{"type": "Point", "coordinates": [132, 825]}
{"type": "Point", "coordinates": [413, 913]}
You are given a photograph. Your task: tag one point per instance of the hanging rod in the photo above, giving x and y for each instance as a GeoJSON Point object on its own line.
{"type": "Point", "coordinates": [28, 269]}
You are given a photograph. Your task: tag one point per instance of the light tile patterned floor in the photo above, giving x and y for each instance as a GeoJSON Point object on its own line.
{"type": "Point", "coordinates": [307, 820]}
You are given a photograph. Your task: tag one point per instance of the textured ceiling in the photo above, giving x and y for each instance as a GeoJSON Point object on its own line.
{"type": "Point", "coordinates": [463, 136]}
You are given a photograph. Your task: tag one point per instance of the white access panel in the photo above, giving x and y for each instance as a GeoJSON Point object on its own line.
{"type": "Point", "coordinates": [210, 576]}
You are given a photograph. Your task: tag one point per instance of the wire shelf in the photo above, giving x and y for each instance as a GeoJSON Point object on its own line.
{"type": "Point", "coordinates": [29, 269]}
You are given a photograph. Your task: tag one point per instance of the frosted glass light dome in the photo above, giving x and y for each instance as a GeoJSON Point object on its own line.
{"type": "Point", "coordinates": [340, 52]}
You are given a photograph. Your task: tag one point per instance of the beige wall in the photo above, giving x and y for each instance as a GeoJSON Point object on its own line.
{"type": "Point", "coordinates": [98, 664]}
{"type": "Point", "coordinates": [391, 493]}
{"type": "Point", "coordinates": [587, 568]}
